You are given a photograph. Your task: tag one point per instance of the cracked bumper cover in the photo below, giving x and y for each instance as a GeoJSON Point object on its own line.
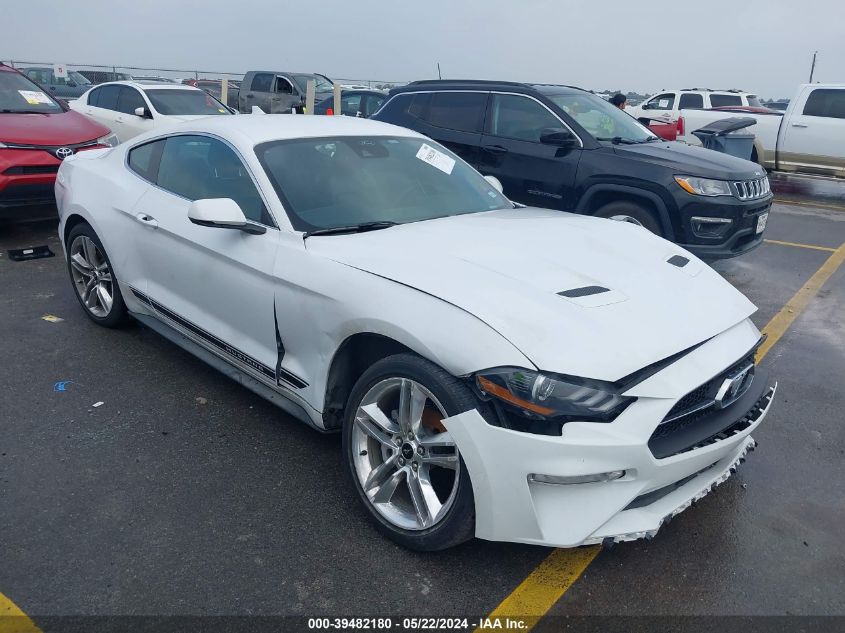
{"type": "Point", "coordinates": [510, 508]}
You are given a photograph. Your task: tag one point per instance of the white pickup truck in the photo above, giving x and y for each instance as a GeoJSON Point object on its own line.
{"type": "Point", "coordinates": [808, 138]}
{"type": "Point", "coordinates": [666, 105]}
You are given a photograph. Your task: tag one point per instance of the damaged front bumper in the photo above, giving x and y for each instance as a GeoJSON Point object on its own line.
{"type": "Point", "coordinates": [512, 506]}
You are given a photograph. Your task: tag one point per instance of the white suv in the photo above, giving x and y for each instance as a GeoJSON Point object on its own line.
{"type": "Point", "coordinates": [666, 105]}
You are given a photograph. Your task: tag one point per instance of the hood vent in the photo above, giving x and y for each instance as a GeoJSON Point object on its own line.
{"type": "Point", "coordinates": [678, 260]}
{"type": "Point", "coordinates": [585, 291]}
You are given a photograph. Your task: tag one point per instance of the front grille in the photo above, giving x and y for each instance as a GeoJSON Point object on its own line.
{"type": "Point", "coordinates": [752, 189]}
{"type": "Point", "coordinates": [31, 170]}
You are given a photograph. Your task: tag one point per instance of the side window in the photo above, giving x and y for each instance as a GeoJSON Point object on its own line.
{"type": "Point", "coordinates": [144, 159]}
{"type": "Point", "coordinates": [690, 100]}
{"type": "Point", "coordinates": [826, 103]}
{"type": "Point", "coordinates": [419, 105]}
{"type": "Point", "coordinates": [462, 111]}
{"type": "Point", "coordinates": [262, 82]}
{"type": "Point", "coordinates": [720, 101]}
{"type": "Point", "coordinates": [517, 117]}
{"type": "Point", "coordinates": [198, 167]}
{"type": "Point", "coordinates": [94, 97]}
{"type": "Point", "coordinates": [40, 76]}
{"type": "Point", "coordinates": [283, 86]}
{"type": "Point", "coordinates": [108, 97]}
{"type": "Point", "coordinates": [350, 105]}
{"type": "Point", "coordinates": [665, 101]}
{"type": "Point", "coordinates": [129, 99]}
{"type": "Point", "coordinates": [371, 104]}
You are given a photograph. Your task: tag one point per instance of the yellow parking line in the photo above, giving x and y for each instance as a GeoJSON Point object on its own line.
{"type": "Point", "coordinates": [813, 246]}
{"type": "Point", "coordinates": [543, 587]}
{"type": "Point", "coordinates": [13, 620]}
{"type": "Point", "coordinates": [553, 577]}
{"type": "Point", "coordinates": [782, 320]}
{"type": "Point", "coordinates": [834, 207]}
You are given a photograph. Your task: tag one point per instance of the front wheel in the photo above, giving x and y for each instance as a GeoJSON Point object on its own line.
{"type": "Point", "coordinates": [625, 211]}
{"type": "Point", "coordinates": [403, 462]}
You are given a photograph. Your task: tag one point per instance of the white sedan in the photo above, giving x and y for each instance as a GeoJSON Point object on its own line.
{"type": "Point", "coordinates": [509, 373]}
{"type": "Point", "coordinates": [130, 108]}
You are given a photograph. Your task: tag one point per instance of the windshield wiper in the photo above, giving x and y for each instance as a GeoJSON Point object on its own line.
{"type": "Point", "coordinates": [9, 111]}
{"type": "Point", "coordinates": [618, 140]}
{"type": "Point", "coordinates": [353, 228]}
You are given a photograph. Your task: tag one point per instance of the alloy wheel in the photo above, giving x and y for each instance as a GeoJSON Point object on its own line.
{"type": "Point", "coordinates": [405, 460]}
{"type": "Point", "coordinates": [92, 276]}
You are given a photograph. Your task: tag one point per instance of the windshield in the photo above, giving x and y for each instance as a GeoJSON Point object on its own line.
{"type": "Point", "coordinates": [185, 102]}
{"type": "Point", "coordinates": [322, 84]}
{"type": "Point", "coordinates": [19, 94]}
{"type": "Point", "coordinates": [78, 78]}
{"type": "Point", "coordinates": [601, 119]}
{"type": "Point", "coordinates": [337, 182]}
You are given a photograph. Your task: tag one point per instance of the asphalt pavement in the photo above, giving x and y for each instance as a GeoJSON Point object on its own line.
{"type": "Point", "coordinates": [184, 493]}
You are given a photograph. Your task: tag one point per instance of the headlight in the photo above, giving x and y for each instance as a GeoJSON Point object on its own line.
{"type": "Point", "coordinates": [552, 397]}
{"type": "Point", "coordinates": [110, 140]}
{"type": "Point", "coordinates": [704, 186]}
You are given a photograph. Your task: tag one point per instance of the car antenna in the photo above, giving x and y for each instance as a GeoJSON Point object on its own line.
{"type": "Point", "coordinates": [439, 76]}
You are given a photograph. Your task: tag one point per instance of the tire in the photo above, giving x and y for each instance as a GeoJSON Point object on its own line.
{"type": "Point", "coordinates": [91, 280]}
{"type": "Point", "coordinates": [632, 212]}
{"type": "Point", "coordinates": [398, 516]}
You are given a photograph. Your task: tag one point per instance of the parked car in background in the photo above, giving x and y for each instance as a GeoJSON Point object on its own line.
{"type": "Point", "coordinates": [36, 134]}
{"type": "Point", "coordinates": [808, 138]}
{"type": "Point", "coordinates": [778, 105]}
{"type": "Point", "coordinates": [130, 108]}
{"type": "Point", "coordinates": [666, 105]}
{"type": "Point", "coordinates": [68, 87]}
{"type": "Point", "coordinates": [360, 103]}
{"type": "Point", "coordinates": [564, 148]}
{"type": "Point", "coordinates": [102, 76]}
{"type": "Point", "coordinates": [280, 92]}
{"type": "Point", "coordinates": [515, 374]}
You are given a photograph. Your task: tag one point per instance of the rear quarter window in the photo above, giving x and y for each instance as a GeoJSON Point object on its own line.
{"type": "Point", "coordinates": [720, 101]}
{"type": "Point", "coordinates": [144, 159]}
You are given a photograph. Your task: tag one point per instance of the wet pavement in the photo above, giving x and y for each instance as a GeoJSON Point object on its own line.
{"type": "Point", "coordinates": [184, 493]}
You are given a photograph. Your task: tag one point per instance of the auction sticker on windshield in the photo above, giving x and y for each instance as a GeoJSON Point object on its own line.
{"type": "Point", "coordinates": [435, 158]}
{"type": "Point", "coordinates": [34, 97]}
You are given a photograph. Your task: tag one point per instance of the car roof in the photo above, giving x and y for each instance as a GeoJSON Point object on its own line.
{"type": "Point", "coordinates": [482, 84]}
{"type": "Point", "coordinates": [260, 128]}
{"type": "Point", "coordinates": [142, 85]}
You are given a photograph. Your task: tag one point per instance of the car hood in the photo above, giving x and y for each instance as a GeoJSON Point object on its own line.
{"type": "Point", "coordinates": [60, 128]}
{"type": "Point", "coordinates": [507, 268]}
{"type": "Point", "coordinates": [688, 160]}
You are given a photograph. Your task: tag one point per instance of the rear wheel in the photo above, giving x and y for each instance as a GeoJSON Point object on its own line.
{"type": "Point", "coordinates": [403, 462]}
{"type": "Point", "coordinates": [93, 278]}
{"type": "Point", "coordinates": [625, 211]}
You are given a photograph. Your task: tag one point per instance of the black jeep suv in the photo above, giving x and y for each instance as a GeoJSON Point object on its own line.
{"type": "Point", "coordinates": [564, 148]}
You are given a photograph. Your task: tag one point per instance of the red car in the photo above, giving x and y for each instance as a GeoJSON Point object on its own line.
{"type": "Point", "coordinates": [36, 134]}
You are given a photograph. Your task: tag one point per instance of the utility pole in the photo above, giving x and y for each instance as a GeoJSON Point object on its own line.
{"type": "Point", "coordinates": [813, 67]}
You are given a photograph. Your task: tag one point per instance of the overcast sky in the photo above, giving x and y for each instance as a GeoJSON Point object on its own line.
{"type": "Point", "coordinates": [644, 45]}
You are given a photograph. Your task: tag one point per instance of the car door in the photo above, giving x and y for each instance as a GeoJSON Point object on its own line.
{"type": "Point", "coordinates": [531, 172]}
{"type": "Point", "coordinates": [102, 106]}
{"type": "Point", "coordinates": [812, 138]}
{"type": "Point", "coordinates": [215, 285]}
{"type": "Point", "coordinates": [452, 118]}
{"type": "Point", "coordinates": [661, 107]}
{"type": "Point", "coordinates": [260, 90]}
{"type": "Point", "coordinates": [128, 124]}
{"type": "Point", "coordinates": [284, 97]}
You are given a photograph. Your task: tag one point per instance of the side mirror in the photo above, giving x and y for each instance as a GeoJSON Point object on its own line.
{"type": "Point", "coordinates": [71, 84]}
{"type": "Point", "coordinates": [495, 182]}
{"type": "Point", "coordinates": [221, 213]}
{"type": "Point", "coordinates": [144, 113]}
{"type": "Point", "coordinates": [558, 136]}
{"type": "Point", "coordinates": [645, 106]}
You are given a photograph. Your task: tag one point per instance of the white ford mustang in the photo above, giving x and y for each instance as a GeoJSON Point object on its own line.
{"type": "Point", "coordinates": [511, 373]}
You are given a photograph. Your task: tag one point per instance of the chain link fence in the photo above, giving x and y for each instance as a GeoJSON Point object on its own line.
{"type": "Point", "coordinates": [99, 73]}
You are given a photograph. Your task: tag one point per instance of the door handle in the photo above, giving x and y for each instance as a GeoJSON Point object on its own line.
{"type": "Point", "coordinates": [495, 149]}
{"type": "Point", "coordinates": [147, 220]}
{"type": "Point", "coordinates": [799, 125]}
